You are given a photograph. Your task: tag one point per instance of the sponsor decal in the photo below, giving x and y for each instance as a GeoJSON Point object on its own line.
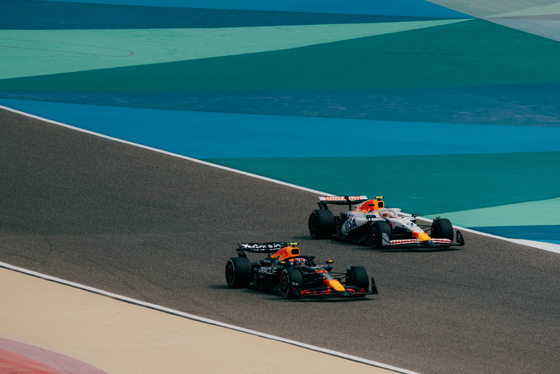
{"type": "Point", "coordinates": [286, 252]}
{"type": "Point", "coordinates": [316, 292]}
{"type": "Point", "coordinates": [342, 198]}
{"type": "Point", "coordinates": [262, 246]}
{"type": "Point", "coordinates": [268, 270]}
{"type": "Point", "coordinates": [350, 224]}
{"type": "Point", "coordinates": [335, 198]}
{"type": "Point", "coordinates": [446, 241]}
{"type": "Point", "coordinates": [404, 241]}
{"type": "Point", "coordinates": [354, 198]}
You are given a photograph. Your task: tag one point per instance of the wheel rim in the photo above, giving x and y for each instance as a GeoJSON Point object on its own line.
{"type": "Point", "coordinates": [313, 225]}
{"type": "Point", "coordinates": [285, 284]}
{"type": "Point", "coordinates": [230, 273]}
{"type": "Point", "coordinates": [372, 237]}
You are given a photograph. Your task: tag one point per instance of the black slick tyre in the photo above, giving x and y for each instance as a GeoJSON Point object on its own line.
{"type": "Point", "coordinates": [321, 224]}
{"type": "Point", "coordinates": [379, 232]}
{"type": "Point", "coordinates": [442, 228]}
{"type": "Point", "coordinates": [291, 280]}
{"type": "Point", "coordinates": [357, 276]}
{"type": "Point", "coordinates": [238, 272]}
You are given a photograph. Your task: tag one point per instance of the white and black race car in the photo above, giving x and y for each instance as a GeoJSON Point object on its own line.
{"type": "Point", "coordinates": [368, 221]}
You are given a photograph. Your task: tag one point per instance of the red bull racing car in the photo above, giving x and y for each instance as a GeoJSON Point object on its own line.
{"type": "Point", "coordinates": [368, 221]}
{"type": "Point", "coordinates": [284, 270]}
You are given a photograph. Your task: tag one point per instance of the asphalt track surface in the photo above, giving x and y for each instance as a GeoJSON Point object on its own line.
{"type": "Point", "coordinates": [160, 229]}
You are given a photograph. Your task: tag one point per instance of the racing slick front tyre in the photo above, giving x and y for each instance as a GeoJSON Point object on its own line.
{"type": "Point", "coordinates": [238, 272]}
{"type": "Point", "coordinates": [442, 228]}
{"type": "Point", "coordinates": [379, 234]}
{"type": "Point", "coordinates": [357, 276]}
{"type": "Point", "coordinates": [291, 280]}
{"type": "Point", "coordinates": [321, 224]}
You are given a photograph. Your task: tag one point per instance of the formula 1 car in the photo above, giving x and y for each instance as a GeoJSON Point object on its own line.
{"type": "Point", "coordinates": [368, 221]}
{"type": "Point", "coordinates": [284, 270]}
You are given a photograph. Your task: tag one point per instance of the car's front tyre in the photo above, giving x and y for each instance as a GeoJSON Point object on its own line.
{"type": "Point", "coordinates": [357, 276]}
{"type": "Point", "coordinates": [442, 228]}
{"type": "Point", "coordinates": [379, 234]}
{"type": "Point", "coordinates": [291, 280]}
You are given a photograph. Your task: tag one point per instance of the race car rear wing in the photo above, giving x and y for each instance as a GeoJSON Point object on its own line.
{"type": "Point", "coordinates": [340, 200]}
{"type": "Point", "coordinates": [267, 247]}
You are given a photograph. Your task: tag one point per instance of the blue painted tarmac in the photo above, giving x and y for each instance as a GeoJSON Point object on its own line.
{"type": "Point", "coordinates": [360, 97]}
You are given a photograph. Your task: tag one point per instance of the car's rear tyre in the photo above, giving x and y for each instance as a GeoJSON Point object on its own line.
{"type": "Point", "coordinates": [357, 276]}
{"type": "Point", "coordinates": [321, 224]}
{"type": "Point", "coordinates": [442, 228]}
{"type": "Point", "coordinates": [377, 232]}
{"type": "Point", "coordinates": [291, 280]}
{"type": "Point", "coordinates": [238, 272]}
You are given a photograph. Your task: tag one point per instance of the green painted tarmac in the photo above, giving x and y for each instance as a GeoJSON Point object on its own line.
{"type": "Point", "coordinates": [469, 53]}
{"type": "Point", "coordinates": [532, 213]}
{"type": "Point", "coordinates": [83, 50]}
{"type": "Point", "coordinates": [475, 189]}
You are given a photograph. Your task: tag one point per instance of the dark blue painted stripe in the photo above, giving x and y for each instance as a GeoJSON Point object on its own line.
{"type": "Point", "coordinates": [527, 105]}
{"type": "Point", "coordinates": [379, 7]}
{"type": "Point", "coordinates": [40, 15]}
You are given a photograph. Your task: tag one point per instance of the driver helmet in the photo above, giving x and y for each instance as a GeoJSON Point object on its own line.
{"type": "Point", "coordinates": [298, 261]}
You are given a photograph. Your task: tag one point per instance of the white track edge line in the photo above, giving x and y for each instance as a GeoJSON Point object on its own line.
{"type": "Point", "coordinates": [175, 312]}
{"type": "Point", "coordinates": [201, 319]}
{"type": "Point", "coordinates": [162, 151]}
{"type": "Point", "coordinates": [204, 320]}
{"type": "Point", "coordinates": [525, 242]}
{"type": "Point", "coordinates": [529, 243]}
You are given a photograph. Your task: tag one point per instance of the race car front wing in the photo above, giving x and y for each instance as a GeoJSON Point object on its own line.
{"type": "Point", "coordinates": [433, 243]}
{"type": "Point", "coordinates": [349, 291]}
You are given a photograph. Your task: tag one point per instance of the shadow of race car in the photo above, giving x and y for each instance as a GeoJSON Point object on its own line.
{"type": "Point", "coordinates": [369, 222]}
{"type": "Point", "coordinates": [285, 271]}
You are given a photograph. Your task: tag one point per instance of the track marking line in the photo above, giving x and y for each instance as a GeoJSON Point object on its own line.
{"type": "Point", "coordinates": [204, 320]}
{"type": "Point", "coordinates": [529, 243]}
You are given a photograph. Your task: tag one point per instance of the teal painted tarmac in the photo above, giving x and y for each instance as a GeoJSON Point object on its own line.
{"type": "Point", "coordinates": [446, 107]}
